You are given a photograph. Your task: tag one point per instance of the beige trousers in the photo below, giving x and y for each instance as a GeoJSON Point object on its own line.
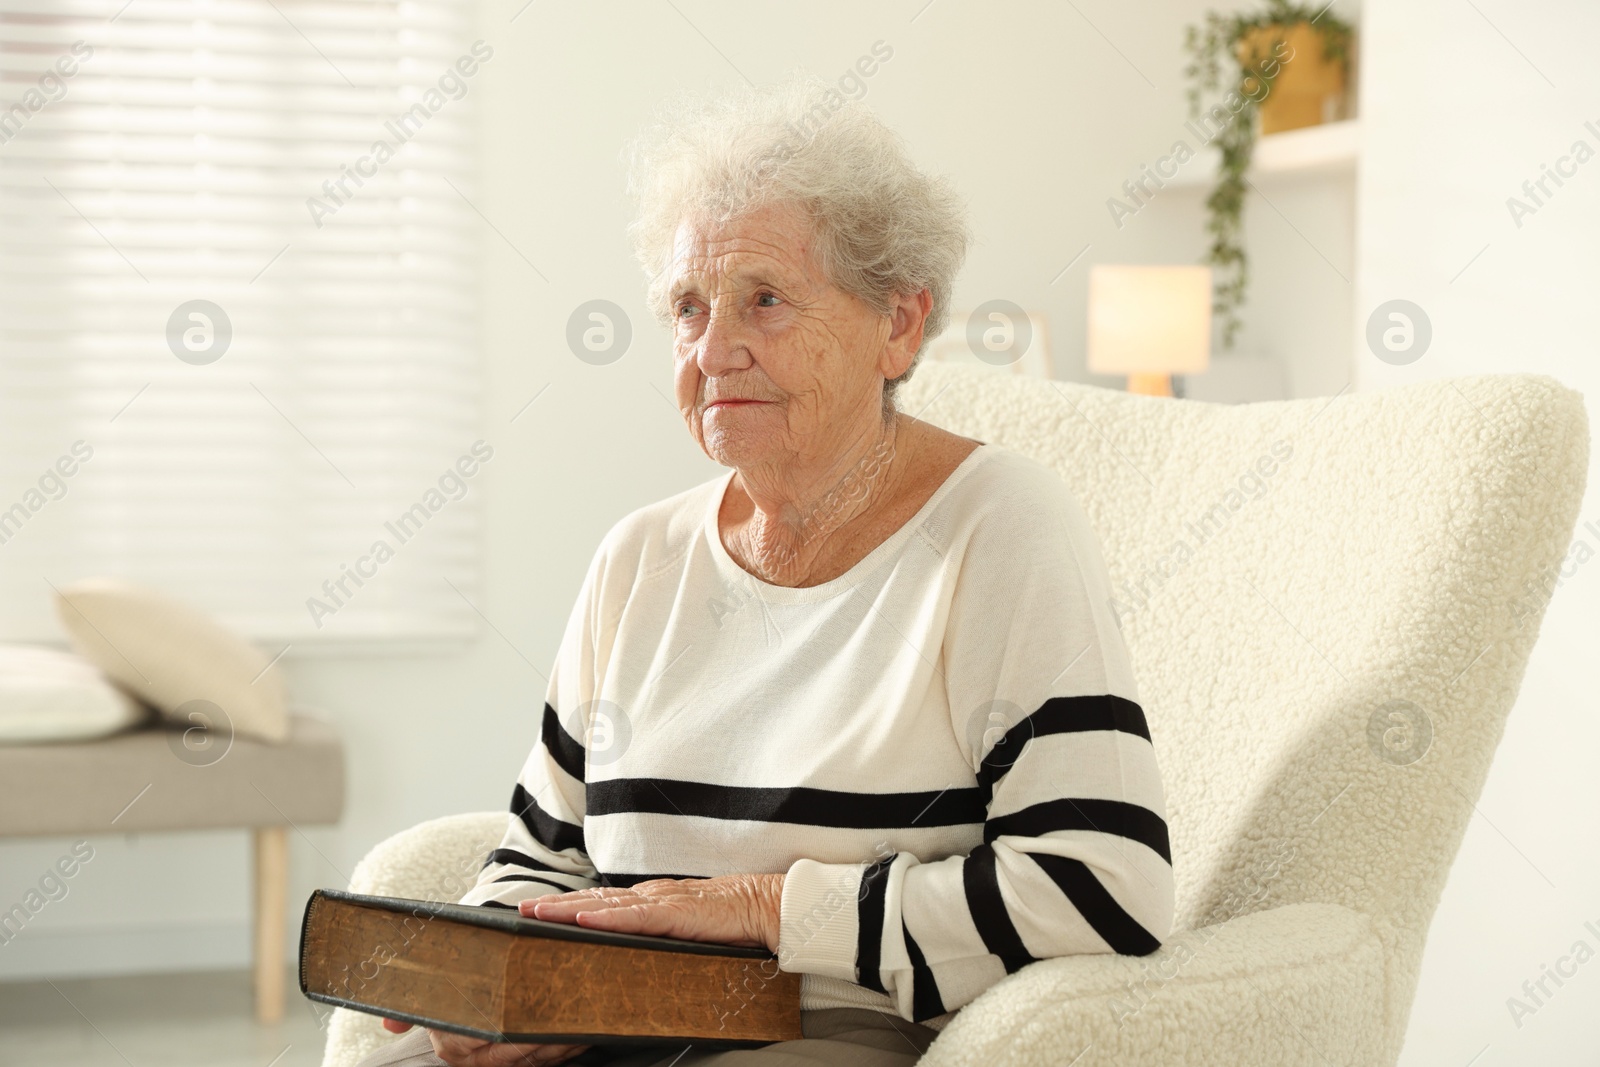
{"type": "Point", "coordinates": [847, 1037]}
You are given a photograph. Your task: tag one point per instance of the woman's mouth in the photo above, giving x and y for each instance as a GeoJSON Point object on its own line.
{"type": "Point", "coordinates": [733, 403]}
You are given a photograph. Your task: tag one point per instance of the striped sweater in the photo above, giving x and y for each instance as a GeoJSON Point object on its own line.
{"type": "Point", "coordinates": [942, 748]}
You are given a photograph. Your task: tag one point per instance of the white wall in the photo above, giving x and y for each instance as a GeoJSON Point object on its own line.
{"type": "Point", "coordinates": [1467, 116]}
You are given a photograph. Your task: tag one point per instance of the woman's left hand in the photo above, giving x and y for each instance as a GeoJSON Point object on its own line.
{"type": "Point", "coordinates": [732, 909]}
{"type": "Point", "coordinates": [459, 1051]}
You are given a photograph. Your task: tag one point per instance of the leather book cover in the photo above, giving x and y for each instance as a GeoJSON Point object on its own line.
{"type": "Point", "coordinates": [491, 973]}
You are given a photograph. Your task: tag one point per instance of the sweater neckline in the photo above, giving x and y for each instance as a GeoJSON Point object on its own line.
{"type": "Point", "coordinates": [787, 594]}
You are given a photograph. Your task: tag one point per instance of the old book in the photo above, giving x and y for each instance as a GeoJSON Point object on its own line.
{"type": "Point", "coordinates": [490, 973]}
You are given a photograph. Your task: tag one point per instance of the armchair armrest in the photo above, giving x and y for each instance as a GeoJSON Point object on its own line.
{"type": "Point", "coordinates": [1300, 984]}
{"type": "Point", "coordinates": [434, 860]}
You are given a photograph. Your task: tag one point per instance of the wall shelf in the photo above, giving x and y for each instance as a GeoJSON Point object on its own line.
{"type": "Point", "coordinates": [1330, 148]}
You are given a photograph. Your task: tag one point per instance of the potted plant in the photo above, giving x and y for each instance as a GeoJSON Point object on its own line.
{"type": "Point", "coordinates": [1283, 65]}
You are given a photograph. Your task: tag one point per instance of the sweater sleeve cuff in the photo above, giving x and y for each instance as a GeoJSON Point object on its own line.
{"type": "Point", "coordinates": [817, 926]}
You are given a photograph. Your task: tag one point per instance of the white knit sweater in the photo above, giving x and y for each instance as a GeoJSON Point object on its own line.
{"type": "Point", "coordinates": [942, 747]}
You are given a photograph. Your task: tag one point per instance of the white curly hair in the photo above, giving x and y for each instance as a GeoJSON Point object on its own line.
{"type": "Point", "coordinates": [882, 227]}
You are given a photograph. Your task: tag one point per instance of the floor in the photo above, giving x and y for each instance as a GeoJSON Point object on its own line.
{"type": "Point", "coordinates": [169, 1020]}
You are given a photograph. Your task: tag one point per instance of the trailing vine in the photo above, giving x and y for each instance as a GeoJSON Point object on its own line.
{"type": "Point", "coordinates": [1214, 50]}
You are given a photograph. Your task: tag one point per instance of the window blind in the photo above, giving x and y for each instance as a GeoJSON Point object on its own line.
{"type": "Point", "coordinates": [237, 277]}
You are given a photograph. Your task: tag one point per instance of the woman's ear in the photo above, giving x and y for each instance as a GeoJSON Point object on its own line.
{"type": "Point", "coordinates": [907, 316]}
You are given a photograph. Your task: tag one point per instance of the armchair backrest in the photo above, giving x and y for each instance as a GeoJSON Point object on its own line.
{"type": "Point", "coordinates": [1329, 605]}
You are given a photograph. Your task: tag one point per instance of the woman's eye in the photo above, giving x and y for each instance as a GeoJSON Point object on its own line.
{"type": "Point", "coordinates": [685, 310]}
{"type": "Point", "coordinates": [767, 296]}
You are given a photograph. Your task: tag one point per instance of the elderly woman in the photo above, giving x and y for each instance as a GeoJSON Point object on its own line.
{"type": "Point", "coordinates": [862, 700]}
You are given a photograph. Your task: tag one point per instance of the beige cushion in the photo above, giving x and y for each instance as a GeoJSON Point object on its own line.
{"type": "Point", "coordinates": [175, 657]}
{"type": "Point", "coordinates": [47, 695]}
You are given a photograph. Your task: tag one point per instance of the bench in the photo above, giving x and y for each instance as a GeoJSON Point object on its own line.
{"type": "Point", "coordinates": [148, 781]}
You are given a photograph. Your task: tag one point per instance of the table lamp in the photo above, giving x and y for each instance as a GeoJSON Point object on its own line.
{"type": "Point", "coordinates": [1149, 322]}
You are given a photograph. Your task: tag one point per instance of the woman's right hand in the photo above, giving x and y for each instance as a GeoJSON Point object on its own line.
{"type": "Point", "coordinates": [460, 1051]}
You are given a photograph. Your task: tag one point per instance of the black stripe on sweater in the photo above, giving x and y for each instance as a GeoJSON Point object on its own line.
{"type": "Point", "coordinates": [1062, 715]}
{"type": "Point", "coordinates": [1114, 925]}
{"type": "Point", "coordinates": [513, 858]}
{"type": "Point", "coordinates": [565, 749]}
{"type": "Point", "coordinates": [870, 905]}
{"type": "Point", "coordinates": [549, 831]}
{"type": "Point", "coordinates": [533, 878]}
{"type": "Point", "coordinates": [1080, 813]}
{"type": "Point", "coordinates": [989, 912]}
{"type": "Point", "coordinates": [801, 805]}
{"type": "Point", "coordinates": [925, 1000]}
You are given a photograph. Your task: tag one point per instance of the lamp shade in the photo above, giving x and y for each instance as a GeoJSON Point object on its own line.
{"type": "Point", "coordinates": [1149, 319]}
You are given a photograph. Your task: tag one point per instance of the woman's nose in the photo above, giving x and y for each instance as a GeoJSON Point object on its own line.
{"type": "Point", "coordinates": [725, 344]}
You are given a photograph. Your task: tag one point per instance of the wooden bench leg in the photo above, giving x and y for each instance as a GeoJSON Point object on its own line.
{"type": "Point", "coordinates": [271, 902]}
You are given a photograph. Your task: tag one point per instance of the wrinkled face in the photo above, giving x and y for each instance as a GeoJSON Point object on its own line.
{"type": "Point", "coordinates": [773, 363]}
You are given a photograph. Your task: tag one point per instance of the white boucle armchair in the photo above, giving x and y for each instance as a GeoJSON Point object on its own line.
{"type": "Point", "coordinates": [1329, 604]}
